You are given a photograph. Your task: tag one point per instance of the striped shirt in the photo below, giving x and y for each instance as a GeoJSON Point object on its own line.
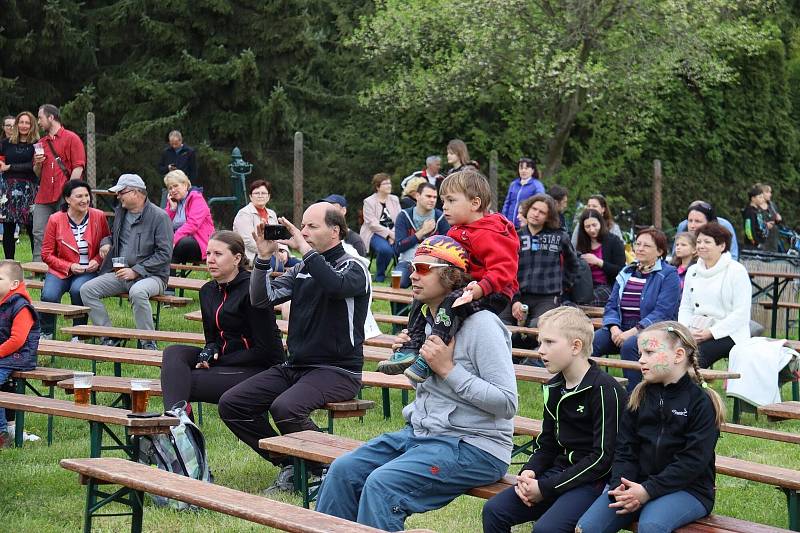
{"type": "Point", "coordinates": [631, 300]}
{"type": "Point", "coordinates": [77, 231]}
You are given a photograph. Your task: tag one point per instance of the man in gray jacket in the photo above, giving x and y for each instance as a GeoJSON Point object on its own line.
{"type": "Point", "coordinates": [141, 242]}
{"type": "Point", "coordinates": [459, 428]}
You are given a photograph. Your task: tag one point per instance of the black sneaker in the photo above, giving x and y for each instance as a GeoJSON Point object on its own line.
{"type": "Point", "coordinates": [149, 345]}
{"type": "Point", "coordinates": [108, 341]}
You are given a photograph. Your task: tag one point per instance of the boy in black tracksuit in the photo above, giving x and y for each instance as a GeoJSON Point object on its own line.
{"type": "Point", "coordinates": [573, 455]}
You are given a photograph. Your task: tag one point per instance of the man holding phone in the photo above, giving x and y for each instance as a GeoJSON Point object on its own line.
{"type": "Point", "coordinates": [178, 156]}
{"type": "Point", "coordinates": [330, 290]}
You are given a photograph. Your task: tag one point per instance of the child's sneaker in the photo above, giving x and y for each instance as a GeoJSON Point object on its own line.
{"type": "Point", "coordinates": [397, 363]}
{"type": "Point", "coordinates": [419, 371]}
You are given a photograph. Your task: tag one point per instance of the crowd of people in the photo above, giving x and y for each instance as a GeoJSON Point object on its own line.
{"type": "Point", "coordinates": [471, 272]}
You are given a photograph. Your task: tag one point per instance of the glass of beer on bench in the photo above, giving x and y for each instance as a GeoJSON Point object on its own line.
{"type": "Point", "coordinates": [140, 391]}
{"type": "Point", "coordinates": [82, 387]}
{"type": "Point", "coordinates": [397, 275]}
{"type": "Point", "coordinates": [118, 263]}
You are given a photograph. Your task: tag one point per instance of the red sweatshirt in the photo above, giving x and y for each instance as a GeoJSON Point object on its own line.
{"type": "Point", "coordinates": [21, 326]}
{"type": "Point", "coordinates": [493, 248]}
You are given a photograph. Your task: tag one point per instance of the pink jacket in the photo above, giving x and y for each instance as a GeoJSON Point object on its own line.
{"type": "Point", "coordinates": [198, 221]}
{"type": "Point", "coordinates": [372, 217]}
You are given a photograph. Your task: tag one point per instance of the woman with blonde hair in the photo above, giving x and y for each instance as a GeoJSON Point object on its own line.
{"type": "Point", "coordinates": [20, 177]}
{"type": "Point", "coordinates": [191, 219]}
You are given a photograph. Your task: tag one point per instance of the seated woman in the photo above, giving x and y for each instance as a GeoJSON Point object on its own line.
{"type": "Point", "coordinates": [602, 251]}
{"type": "Point", "coordinates": [241, 341]}
{"type": "Point", "coordinates": [598, 203]}
{"type": "Point", "coordinates": [191, 219]}
{"type": "Point", "coordinates": [645, 292]}
{"type": "Point", "coordinates": [715, 304]}
{"type": "Point", "coordinates": [254, 213]}
{"type": "Point", "coordinates": [377, 232]}
{"type": "Point", "coordinates": [684, 254]}
{"type": "Point", "coordinates": [71, 249]}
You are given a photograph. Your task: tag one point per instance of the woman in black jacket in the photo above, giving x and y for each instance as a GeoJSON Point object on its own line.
{"type": "Point", "coordinates": [241, 340]}
{"type": "Point", "coordinates": [603, 251]}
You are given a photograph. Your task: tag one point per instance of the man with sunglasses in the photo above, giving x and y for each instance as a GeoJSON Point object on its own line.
{"type": "Point", "coordinates": [142, 238]}
{"type": "Point", "coordinates": [460, 425]}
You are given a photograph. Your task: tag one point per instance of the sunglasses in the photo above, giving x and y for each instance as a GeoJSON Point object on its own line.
{"type": "Point", "coordinates": [423, 269]}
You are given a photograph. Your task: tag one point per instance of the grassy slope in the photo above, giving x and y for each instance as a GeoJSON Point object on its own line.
{"type": "Point", "coordinates": [37, 495]}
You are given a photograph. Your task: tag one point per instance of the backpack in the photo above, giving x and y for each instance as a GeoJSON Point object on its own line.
{"type": "Point", "coordinates": [583, 288]}
{"type": "Point", "coordinates": [182, 451]}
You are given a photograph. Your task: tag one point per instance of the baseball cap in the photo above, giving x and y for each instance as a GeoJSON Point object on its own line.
{"type": "Point", "coordinates": [445, 248]}
{"type": "Point", "coordinates": [335, 199]}
{"type": "Point", "coordinates": [128, 180]}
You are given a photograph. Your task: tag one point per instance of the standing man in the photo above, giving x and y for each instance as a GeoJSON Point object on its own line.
{"type": "Point", "coordinates": [414, 225]}
{"type": "Point", "coordinates": [458, 432]}
{"type": "Point", "coordinates": [63, 159]}
{"type": "Point", "coordinates": [433, 163]}
{"type": "Point", "coordinates": [353, 238]}
{"type": "Point", "coordinates": [329, 290]}
{"type": "Point", "coordinates": [142, 236]}
{"type": "Point", "coordinates": [178, 156]}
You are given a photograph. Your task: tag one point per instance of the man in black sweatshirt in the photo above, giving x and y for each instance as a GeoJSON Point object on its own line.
{"type": "Point", "coordinates": [330, 294]}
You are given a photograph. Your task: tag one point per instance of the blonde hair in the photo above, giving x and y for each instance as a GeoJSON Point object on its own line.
{"type": "Point", "coordinates": [32, 136]}
{"type": "Point", "coordinates": [177, 176]}
{"type": "Point", "coordinates": [413, 184]}
{"type": "Point", "coordinates": [572, 324]}
{"type": "Point", "coordinates": [13, 269]}
{"type": "Point", "coordinates": [679, 335]}
{"type": "Point", "coordinates": [471, 184]}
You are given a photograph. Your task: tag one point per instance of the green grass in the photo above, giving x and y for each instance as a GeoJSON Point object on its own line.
{"type": "Point", "coordinates": [37, 495]}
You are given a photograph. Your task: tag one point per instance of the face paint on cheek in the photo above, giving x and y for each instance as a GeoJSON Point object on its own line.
{"type": "Point", "coordinates": [660, 362]}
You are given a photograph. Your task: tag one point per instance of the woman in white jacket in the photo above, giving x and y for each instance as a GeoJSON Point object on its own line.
{"type": "Point", "coordinates": [254, 213]}
{"type": "Point", "coordinates": [716, 296]}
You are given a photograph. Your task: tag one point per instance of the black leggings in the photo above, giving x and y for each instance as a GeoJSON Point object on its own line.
{"type": "Point", "coordinates": [186, 250]}
{"type": "Point", "coordinates": [181, 381]}
{"type": "Point", "coordinates": [10, 242]}
{"type": "Point", "coordinates": [713, 350]}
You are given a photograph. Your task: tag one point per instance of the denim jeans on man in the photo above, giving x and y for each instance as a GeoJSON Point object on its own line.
{"type": "Point", "coordinates": [54, 288]}
{"type": "Point", "coordinates": [384, 253]}
{"type": "Point", "coordinates": [661, 515]}
{"type": "Point", "coordinates": [398, 474]}
{"type": "Point", "coordinates": [4, 375]}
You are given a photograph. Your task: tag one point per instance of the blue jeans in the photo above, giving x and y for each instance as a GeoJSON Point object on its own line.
{"type": "Point", "coordinates": [384, 253]}
{"type": "Point", "coordinates": [405, 279]}
{"type": "Point", "coordinates": [397, 474]}
{"type": "Point", "coordinates": [662, 515]}
{"type": "Point", "coordinates": [54, 288]}
{"type": "Point", "coordinates": [603, 345]}
{"type": "Point", "coordinates": [4, 374]}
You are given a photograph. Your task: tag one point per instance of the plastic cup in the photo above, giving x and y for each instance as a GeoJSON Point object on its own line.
{"type": "Point", "coordinates": [38, 148]}
{"type": "Point", "coordinates": [140, 393]}
{"type": "Point", "coordinates": [118, 263]}
{"type": "Point", "coordinates": [397, 275]}
{"type": "Point", "coordinates": [82, 387]}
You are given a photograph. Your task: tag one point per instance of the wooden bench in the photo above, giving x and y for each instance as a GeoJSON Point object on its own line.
{"type": "Point", "coordinates": [99, 417]}
{"type": "Point", "coordinates": [136, 334]}
{"type": "Point", "coordinates": [355, 408]}
{"type": "Point", "coordinates": [320, 448]}
{"type": "Point", "coordinates": [49, 378]}
{"type": "Point", "coordinates": [118, 355]}
{"type": "Point", "coordinates": [136, 479]}
{"type": "Point", "coordinates": [399, 320]}
{"type": "Point", "coordinates": [781, 411]}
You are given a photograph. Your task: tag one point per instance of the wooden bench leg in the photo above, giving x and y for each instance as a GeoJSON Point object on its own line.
{"type": "Point", "coordinates": [793, 503]}
{"type": "Point", "coordinates": [795, 390]}
{"type": "Point", "coordinates": [50, 395]}
{"type": "Point", "coordinates": [126, 496]}
{"type": "Point", "coordinates": [19, 417]}
{"type": "Point", "coordinates": [387, 403]}
{"type": "Point", "coordinates": [523, 448]}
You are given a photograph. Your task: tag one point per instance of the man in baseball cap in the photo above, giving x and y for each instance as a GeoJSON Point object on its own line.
{"type": "Point", "coordinates": [136, 257]}
{"type": "Point", "coordinates": [352, 238]}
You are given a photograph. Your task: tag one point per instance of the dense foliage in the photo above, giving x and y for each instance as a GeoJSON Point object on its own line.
{"type": "Point", "coordinates": [595, 91]}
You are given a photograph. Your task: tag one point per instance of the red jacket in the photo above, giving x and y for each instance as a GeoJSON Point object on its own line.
{"type": "Point", "coordinates": [493, 248]}
{"type": "Point", "coordinates": [59, 249]}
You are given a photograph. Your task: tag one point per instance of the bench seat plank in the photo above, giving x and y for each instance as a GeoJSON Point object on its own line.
{"type": "Point", "coordinates": [93, 413]}
{"type": "Point", "coordinates": [136, 334]}
{"type": "Point", "coordinates": [44, 374]}
{"type": "Point", "coordinates": [225, 500]}
{"type": "Point", "coordinates": [781, 410]}
{"type": "Point", "coordinates": [98, 352]}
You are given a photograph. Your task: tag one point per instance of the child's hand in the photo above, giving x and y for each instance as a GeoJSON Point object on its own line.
{"type": "Point", "coordinates": [472, 292]}
{"type": "Point", "coordinates": [400, 339]}
{"type": "Point", "coordinates": [629, 496]}
{"type": "Point", "coordinates": [527, 488]}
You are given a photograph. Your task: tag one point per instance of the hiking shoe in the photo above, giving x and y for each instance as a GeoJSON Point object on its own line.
{"type": "Point", "coordinates": [6, 440]}
{"type": "Point", "coordinates": [284, 482]}
{"type": "Point", "coordinates": [419, 371]}
{"type": "Point", "coordinates": [46, 337]}
{"type": "Point", "coordinates": [149, 345]}
{"type": "Point", "coordinates": [108, 341]}
{"type": "Point", "coordinates": [398, 362]}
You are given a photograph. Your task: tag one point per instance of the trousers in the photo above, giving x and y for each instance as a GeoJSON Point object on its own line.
{"type": "Point", "coordinates": [41, 214]}
{"type": "Point", "coordinates": [662, 515]}
{"type": "Point", "coordinates": [139, 293]}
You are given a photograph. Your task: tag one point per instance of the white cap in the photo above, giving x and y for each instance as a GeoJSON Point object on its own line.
{"type": "Point", "coordinates": [128, 180]}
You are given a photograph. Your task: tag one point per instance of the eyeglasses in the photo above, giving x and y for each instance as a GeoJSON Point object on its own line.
{"type": "Point", "coordinates": [259, 193]}
{"type": "Point", "coordinates": [123, 193]}
{"type": "Point", "coordinates": [423, 269]}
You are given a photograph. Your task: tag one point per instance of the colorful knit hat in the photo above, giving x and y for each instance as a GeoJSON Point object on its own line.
{"type": "Point", "coordinates": [445, 248]}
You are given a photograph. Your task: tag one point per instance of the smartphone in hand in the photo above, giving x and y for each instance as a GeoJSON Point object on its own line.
{"type": "Point", "coordinates": [275, 232]}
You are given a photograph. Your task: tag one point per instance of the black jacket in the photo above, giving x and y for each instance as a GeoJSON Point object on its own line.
{"type": "Point", "coordinates": [243, 334]}
{"type": "Point", "coordinates": [184, 159]}
{"type": "Point", "coordinates": [330, 297]}
{"type": "Point", "coordinates": [668, 443]}
{"type": "Point", "coordinates": [576, 445]}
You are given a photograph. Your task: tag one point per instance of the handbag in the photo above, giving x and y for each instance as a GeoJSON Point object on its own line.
{"type": "Point", "coordinates": [60, 163]}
